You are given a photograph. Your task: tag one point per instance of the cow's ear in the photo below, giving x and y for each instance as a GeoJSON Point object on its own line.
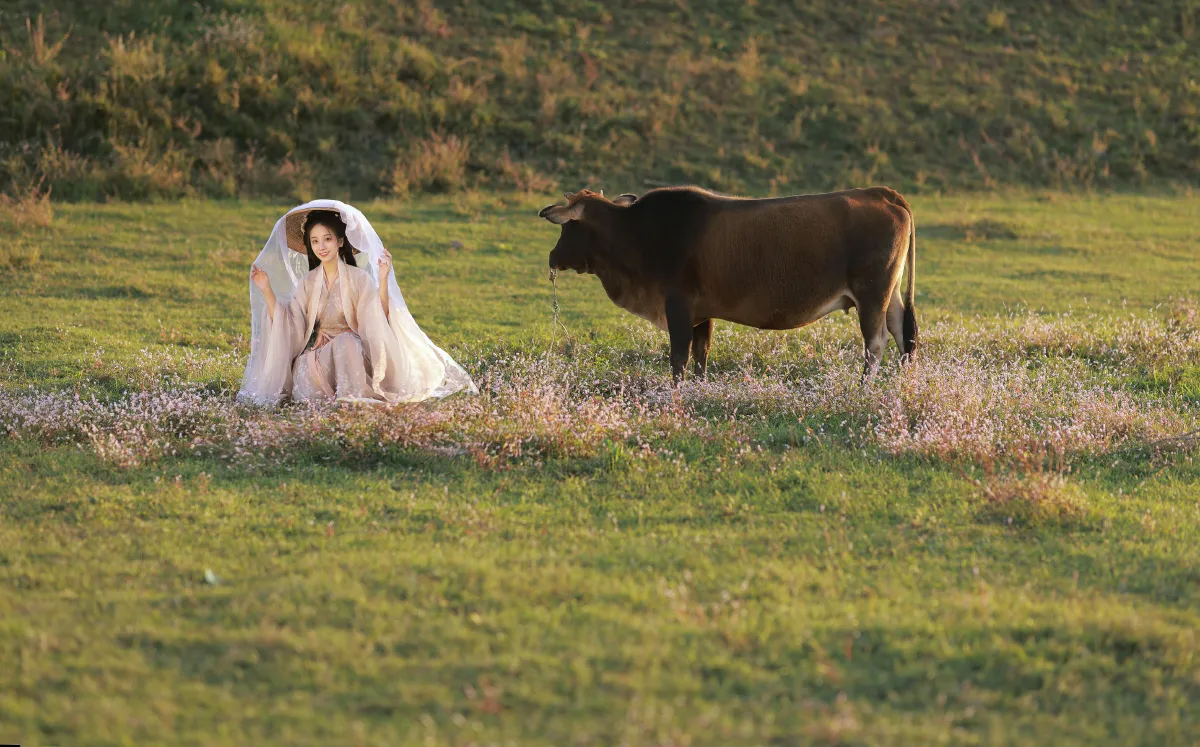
{"type": "Point", "coordinates": [560, 214]}
{"type": "Point", "coordinates": [625, 200]}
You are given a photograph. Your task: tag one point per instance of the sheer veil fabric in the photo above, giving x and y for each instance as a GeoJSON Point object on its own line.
{"type": "Point", "coordinates": [405, 365]}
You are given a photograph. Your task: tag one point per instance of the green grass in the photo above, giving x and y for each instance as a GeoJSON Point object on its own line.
{"type": "Point", "coordinates": [753, 575]}
{"type": "Point", "coordinates": [297, 98]}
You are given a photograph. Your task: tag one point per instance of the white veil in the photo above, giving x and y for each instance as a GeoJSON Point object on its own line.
{"type": "Point", "coordinates": [286, 267]}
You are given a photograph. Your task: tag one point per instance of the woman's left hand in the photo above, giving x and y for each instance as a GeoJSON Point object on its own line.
{"type": "Point", "coordinates": [385, 266]}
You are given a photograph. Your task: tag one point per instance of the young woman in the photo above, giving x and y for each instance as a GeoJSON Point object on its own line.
{"type": "Point", "coordinates": [339, 331]}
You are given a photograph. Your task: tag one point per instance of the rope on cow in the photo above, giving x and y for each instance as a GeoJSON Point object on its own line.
{"type": "Point", "coordinates": [557, 322]}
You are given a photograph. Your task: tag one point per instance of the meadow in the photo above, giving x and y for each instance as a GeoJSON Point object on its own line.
{"type": "Point", "coordinates": [997, 545]}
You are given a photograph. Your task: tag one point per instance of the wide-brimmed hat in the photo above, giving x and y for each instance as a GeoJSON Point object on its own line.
{"type": "Point", "coordinates": [295, 222]}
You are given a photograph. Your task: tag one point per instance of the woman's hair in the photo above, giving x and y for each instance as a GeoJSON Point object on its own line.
{"type": "Point", "coordinates": [331, 220]}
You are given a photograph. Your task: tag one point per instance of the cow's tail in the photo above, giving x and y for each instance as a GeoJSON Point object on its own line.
{"type": "Point", "coordinates": [910, 290]}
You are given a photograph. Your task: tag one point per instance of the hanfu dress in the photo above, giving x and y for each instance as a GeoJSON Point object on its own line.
{"type": "Point", "coordinates": [334, 365]}
{"type": "Point", "coordinates": [333, 341]}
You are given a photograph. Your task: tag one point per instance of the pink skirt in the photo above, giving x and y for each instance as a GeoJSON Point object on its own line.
{"type": "Point", "coordinates": [335, 369]}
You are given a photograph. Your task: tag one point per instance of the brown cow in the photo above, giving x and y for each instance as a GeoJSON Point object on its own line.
{"type": "Point", "coordinates": [682, 257]}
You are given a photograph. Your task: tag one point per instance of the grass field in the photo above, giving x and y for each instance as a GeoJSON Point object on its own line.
{"type": "Point", "coordinates": [996, 546]}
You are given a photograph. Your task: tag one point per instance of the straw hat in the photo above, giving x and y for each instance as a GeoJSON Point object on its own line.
{"type": "Point", "coordinates": [295, 222]}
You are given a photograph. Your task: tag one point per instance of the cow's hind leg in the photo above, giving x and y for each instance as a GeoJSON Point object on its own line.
{"type": "Point", "coordinates": [895, 320]}
{"type": "Point", "coordinates": [701, 341]}
{"type": "Point", "coordinates": [872, 320]}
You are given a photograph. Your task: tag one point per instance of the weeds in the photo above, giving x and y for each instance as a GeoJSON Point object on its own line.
{"type": "Point", "coordinates": [958, 405]}
{"type": "Point", "coordinates": [40, 51]}
{"type": "Point", "coordinates": [521, 176]}
{"type": "Point", "coordinates": [436, 164]}
{"type": "Point", "coordinates": [28, 205]}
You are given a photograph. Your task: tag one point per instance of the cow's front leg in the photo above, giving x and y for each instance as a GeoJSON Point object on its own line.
{"type": "Point", "coordinates": [679, 327]}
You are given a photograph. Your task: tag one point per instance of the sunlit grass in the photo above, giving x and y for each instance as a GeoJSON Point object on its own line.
{"type": "Point", "coordinates": [994, 545]}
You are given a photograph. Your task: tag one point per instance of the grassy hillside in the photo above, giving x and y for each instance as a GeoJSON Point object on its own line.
{"type": "Point", "coordinates": [998, 546]}
{"type": "Point", "coordinates": [295, 98]}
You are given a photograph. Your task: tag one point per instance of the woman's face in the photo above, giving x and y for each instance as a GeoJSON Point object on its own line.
{"type": "Point", "coordinates": [324, 243]}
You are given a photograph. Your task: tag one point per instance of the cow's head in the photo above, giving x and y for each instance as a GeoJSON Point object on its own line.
{"type": "Point", "coordinates": [584, 234]}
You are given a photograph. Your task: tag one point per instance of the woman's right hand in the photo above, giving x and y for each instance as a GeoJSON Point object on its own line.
{"type": "Point", "coordinates": [260, 279]}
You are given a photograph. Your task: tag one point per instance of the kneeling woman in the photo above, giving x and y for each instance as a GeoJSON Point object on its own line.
{"type": "Point", "coordinates": [339, 331]}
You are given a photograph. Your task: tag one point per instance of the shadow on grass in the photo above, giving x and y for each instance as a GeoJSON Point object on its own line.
{"type": "Point", "coordinates": [979, 230]}
{"type": "Point", "coordinates": [1117, 667]}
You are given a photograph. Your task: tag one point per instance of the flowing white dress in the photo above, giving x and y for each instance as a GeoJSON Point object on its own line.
{"type": "Point", "coordinates": [335, 343]}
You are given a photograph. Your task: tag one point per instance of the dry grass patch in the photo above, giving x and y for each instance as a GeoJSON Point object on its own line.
{"type": "Point", "coordinates": [436, 164]}
{"type": "Point", "coordinates": [1035, 499]}
{"type": "Point", "coordinates": [28, 205]}
{"type": "Point", "coordinates": [19, 254]}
